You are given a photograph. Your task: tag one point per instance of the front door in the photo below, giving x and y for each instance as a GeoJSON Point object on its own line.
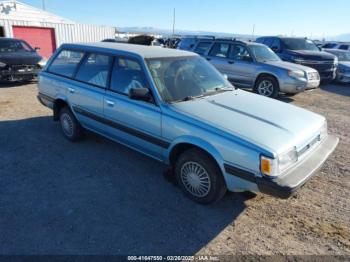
{"type": "Point", "coordinates": [132, 122]}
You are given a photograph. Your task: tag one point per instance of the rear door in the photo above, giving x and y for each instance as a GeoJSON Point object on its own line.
{"type": "Point", "coordinates": [218, 56]}
{"type": "Point", "coordinates": [242, 65]}
{"type": "Point", "coordinates": [132, 122]}
{"type": "Point", "coordinates": [84, 77]}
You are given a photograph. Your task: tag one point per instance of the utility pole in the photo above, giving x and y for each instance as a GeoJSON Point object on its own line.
{"type": "Point", "coordinates": [174, 20]}
{"type": "Point", "coordinates": [253, 34]}
{"type": "Point", "coordinates": [43, 4]}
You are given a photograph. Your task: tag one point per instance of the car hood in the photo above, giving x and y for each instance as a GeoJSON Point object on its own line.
{"type": "Point", "coordinates": [20, 58]}
{"type": "Point", "coordinates": [344, 64]}
{"type": "Point", "coordinates": [267, 123]}
{"type": "Point", "coordinates": [289, 66]}
{"type": "Point", "coordinates": [312, 55]}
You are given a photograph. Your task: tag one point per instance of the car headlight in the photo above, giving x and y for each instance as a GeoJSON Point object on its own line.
{"type": "Point", "coordinates": [273, 167]}
{"type": "Point", "coordinates": [2, 65]}
{"type": "Point", "coordinates": [296, 74]}
{"type": "Point", "coordinates": [42, 62]}
{"type": "Point", "coordinates": [324, 131]}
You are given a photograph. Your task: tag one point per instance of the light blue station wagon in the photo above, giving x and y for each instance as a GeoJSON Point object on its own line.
{"type": "Point", "coordinates": [177, 108]}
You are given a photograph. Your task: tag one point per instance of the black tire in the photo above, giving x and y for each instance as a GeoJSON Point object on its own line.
{"type": "Point", "coordinates": [267, 79]}
{"type": "Point", "coordinates": [70, 126]}
{"type": "Point", "coordinates": [216, 185]}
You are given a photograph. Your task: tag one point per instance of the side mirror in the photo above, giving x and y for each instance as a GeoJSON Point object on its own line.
{"type": "Point", "coordinates": [225, 76]}
{"type": "Point", "coordinates": [142, 94]}
{"type": "Point", "coordinates": [247, 59]}
{"type": "Point", "coordinates": [275, 49]}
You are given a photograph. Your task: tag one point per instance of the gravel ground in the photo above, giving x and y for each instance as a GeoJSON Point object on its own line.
{"type": "Point", "coordinates": [98, 197]}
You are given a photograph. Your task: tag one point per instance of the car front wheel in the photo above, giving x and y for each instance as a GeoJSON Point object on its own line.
{"type": "Point", "coordinates": [267, 86]}
{"type": "Point", "coordinates": [70, 126]}
{"type": "Point", "coordinates": [199, 177]}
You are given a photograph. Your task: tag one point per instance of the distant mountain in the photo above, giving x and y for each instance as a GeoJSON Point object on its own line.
{"type": "Point", "coordinates": [343, 37]}
{"type": "Point", "coordinates": [167, 32]}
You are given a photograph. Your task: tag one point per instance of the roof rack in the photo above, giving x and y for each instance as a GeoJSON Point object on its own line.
{"type": "Point", "coordinates": [226, 38]}
{"type": "Point", "coordinates": [200, 36]}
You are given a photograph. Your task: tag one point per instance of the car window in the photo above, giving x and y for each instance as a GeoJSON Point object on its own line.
{"type": "Point", "coordinates": [66, 63]}
{"type": "Point", "coordinates": [202, 47]}
{"type": "Point", "coordinates": [220, 50]}
{"type": "Point", "coordinates": [127, 74]}
{"type": "Point", "coordinates": [12, 46]}
{"type": "Point", "coordinates": [239, 52]}
{"type": "Point", "coordinates": [276, 44]}
{"type": "Point", "coordinates": [344, 47]}
{"type": "Point", "coordinates": [94, 70]}
{"type": "Point", "coordinates": [269, 41]}
{"type": "Point", "coordinates": [260, 40]}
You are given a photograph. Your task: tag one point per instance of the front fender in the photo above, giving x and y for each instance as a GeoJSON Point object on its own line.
{"type": "Point", "coordinates": [198, 142]}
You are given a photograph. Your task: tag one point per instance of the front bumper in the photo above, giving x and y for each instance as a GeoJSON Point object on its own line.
{"type": "Point", "coordinates": [20, 74]}
{"type": "Point", "coordinates": [287, 184]}
{"type": "Point", "coordinates": [343, 78]}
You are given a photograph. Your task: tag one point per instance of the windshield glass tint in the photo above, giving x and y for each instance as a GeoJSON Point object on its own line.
{"type": "Point", "coordinates": [263, 53]}
{"type": "Point", "coordinates": [10, 46]}
{"type": "Point", "coordinates": [178, 78]}
{"type": "Point", "coordinates": [299, 44]}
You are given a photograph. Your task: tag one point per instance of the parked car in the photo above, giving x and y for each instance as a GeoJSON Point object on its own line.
{"type": "Point", "coordinates": [305, 52]}
{"type": "Point", "coordinates": [343, 46]}
{"type": "Point", "coordinates": [176, 107]}
{"type": "Point", "coordinates": [343, 71]}
{"type": "Point", "coordinates": [252, 65]}
{"type": "Point", "coordinates": [18, 60]}
{"type": "Point", "coordinates": [330, 45]}
{"type": "Point", "coordinates": [188, 42]}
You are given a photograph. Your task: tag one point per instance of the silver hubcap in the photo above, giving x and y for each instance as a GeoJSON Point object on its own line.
{"type": "Point", "coordinates": [265, 88]}
{"type": "Point", "coordinates": [67, 125]}
{"type": "Point", "coordinates": [195, 179]}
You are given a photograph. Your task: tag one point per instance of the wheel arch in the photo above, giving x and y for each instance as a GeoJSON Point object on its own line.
{"type": "Point", "coordinates": [263, 74]}
{"type": "Point", "coordinates": [186, 143]}
{"type": "Point", "coordinates": [59, 103]}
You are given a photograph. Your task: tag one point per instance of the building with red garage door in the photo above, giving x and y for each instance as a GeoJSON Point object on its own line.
{"type": "Point", "coordinates": [45, 30]}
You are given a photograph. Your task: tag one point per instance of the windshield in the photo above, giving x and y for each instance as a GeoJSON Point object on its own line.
{"type": "Point", "coordinates": [263, 53]}
{"type": "Point", "coordinates": [11, 46]}
{"type": "Point", "coordinates": [342, 56]}
{"type": "Point", "coordinates": [299, 44]}
{"type": "Point", "coordinates": [185, 78]}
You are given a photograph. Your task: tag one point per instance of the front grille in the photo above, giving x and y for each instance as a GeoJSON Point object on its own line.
{"type": "Point", "coordinates": [22, 68]}
{"type": "Point", "coordinates": [320, 65]}
{"type": "Point", "coordinates": [312, 76]}
{"type": "Point", "coordinates": [309, 146]}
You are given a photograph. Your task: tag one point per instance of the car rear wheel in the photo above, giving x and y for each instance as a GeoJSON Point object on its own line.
{"type": "Point", "coordinates": [199, 177]}
{"type": "Point", "coordinates": [70, 126]}
{"type": "Point", "coordinates": [267, 86]}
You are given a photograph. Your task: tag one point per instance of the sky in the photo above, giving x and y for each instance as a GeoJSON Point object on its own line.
{"type": "Point", "coordinates": [311, 18]}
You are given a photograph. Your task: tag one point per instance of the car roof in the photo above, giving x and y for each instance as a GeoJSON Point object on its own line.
{"type": "Point", "coordinates": [231, 41]}
{"type": "Point", "coordinates": [140, 50]}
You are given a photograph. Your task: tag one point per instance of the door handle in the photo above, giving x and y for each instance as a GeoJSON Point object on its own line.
{"type": "Point", "coordinates": [208, 58]}
{"type": "Point", "coordinates": [110, 103]}
{"type": "Point", "coordinates": [231, 62]}
{"type": "Point", "coordinates": [71, 90]}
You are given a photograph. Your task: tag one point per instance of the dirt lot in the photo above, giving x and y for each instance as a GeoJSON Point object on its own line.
{"type": "Point", "coordinates": [98, 197]}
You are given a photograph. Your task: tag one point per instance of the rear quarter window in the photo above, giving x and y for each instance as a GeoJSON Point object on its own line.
{"type": "Point", "coordinates": [66, 63]}
{"type": "Point", "coordinates": [95, 70]}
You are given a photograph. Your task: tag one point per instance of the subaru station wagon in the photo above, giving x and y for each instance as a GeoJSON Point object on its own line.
{"type": "Point", "coordinates": [174, 106]}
